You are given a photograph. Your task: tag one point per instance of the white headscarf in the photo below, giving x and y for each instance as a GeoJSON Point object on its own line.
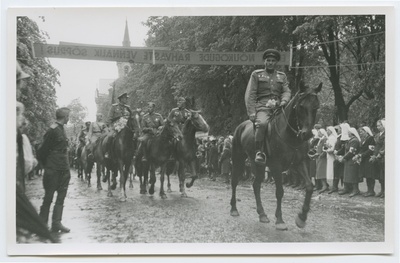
{"type": "Point", "coordinates": [323, 132]}
{"type": "Point", "coordinates": [315, 133]}
{"type": "Point", "coordinates": [383, 122]}
{"type": "Point", "coordinates": [367, 130]}
{"type": "Point", "coordinates": [355, 133]}
{"type": "Point", "coordinates": [333, 131]}
{"type": "Point", "coordinates": [345, 131]}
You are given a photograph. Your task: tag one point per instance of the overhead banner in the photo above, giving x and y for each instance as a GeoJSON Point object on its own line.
{"type": "Point", "coordinates": [152, 56]}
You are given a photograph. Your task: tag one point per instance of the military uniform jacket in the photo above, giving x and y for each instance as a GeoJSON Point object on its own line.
{"type": "Point", "coordinates": [263, 86]}
{"type": "Point", "coordinates": [152, 121]}
{"type": "Point", "coordinates": [82, 136]}
{"type": "Point", "coordinates": [53, 152]}
{"type": "Point", "coordinates": [178, 115]}
{"type": "Point", "coordinates": [118, 110]}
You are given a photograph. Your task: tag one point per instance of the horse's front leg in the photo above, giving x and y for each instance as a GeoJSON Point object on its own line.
{"type": "Point", "coordinates": [122, 181]}
{"type": "Point", "coordinates": [98, 173]}
{"type": "Point", "coordinates": [109, 193]}
{"type": "Point", "coordinates": [302, 216]}
{"type": "Point", "coordinates": [182, 175]}
{"type": "Point", "coordinates": [131, 176]}
{"type": "Point", "coordinates": [277, 175]}
{"type": "Point", "coordinates": [259, 172]}
{"type": "Point", "coordinates": [152, 177]}
{"type": "Point", "coordinates": [162, 174]}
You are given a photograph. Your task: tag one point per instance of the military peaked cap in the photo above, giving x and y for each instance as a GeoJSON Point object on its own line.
{"type": "Point", "coordinates": [123, 95]}
{"type": "Point", "coordinates": [272, 53]}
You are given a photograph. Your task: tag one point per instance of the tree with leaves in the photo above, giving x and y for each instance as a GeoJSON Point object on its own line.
{"type": "Point", "coordinates": [350, 51]}
{"type": "Point", "coordinates": [77, 115]}
{"type": "Point", "coordinates": [39, 95]}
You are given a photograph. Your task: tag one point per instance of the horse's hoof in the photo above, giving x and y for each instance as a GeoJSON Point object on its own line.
{"type": "Point", "coordinates": [163, 196]}
{"type": "Point", "coordinates": [184, 195]}
{"type": "Point", "coordinates": [299, 222]}
{"type": "Point", "coordinates": [264, 219]}
{"type": "Point", "coordinates": [234, 213]}
{"type": "Point", "coordinates": [142, 192]}
{"type": "Point", "coordinates": [99, 188]}
{"type": "Point", "coordinates": [169, 190]}
{"type": "Point", "coordinates": [109, 194]}
{"type": "Point", "coordinates": [188, 185]}
{"type": "Point", "coordinates": [281, 227]}
{"type": "Point", "coordinates": [113, 186]}
{"type": "Point", "coordinates": [151, 191]}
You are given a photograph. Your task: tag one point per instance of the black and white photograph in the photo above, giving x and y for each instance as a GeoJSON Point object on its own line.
{"type": "Point", "coordinates": [220, 131]}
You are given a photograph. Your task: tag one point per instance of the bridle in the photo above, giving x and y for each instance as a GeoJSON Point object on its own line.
{"type": "Point", "coordinates": [297, 99]}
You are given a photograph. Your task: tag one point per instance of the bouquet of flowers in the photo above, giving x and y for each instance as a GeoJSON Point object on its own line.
{"type": "Point", "coordinates": [120, 124]}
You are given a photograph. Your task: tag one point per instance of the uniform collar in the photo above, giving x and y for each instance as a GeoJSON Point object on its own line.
{"type": "Point", "coordinates": [59, 123]}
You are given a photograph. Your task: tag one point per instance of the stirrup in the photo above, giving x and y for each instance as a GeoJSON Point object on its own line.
{"type": "Point", "coordinates": [260, 158]}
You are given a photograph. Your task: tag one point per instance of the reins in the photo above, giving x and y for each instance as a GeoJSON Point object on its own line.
{"type": "Point", "coordinates": [296, 132]}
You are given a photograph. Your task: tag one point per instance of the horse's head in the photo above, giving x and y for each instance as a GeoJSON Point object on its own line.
{"type": "Point", "coordinates": [171, 129]}
{"type": "Point", "coordinates": [305, 105]}
{"type": "Point", "coordinates": [198, 121]}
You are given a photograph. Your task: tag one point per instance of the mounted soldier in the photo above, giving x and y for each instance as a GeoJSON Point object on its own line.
{"type": "Point", "coordinates": [118, 116]}
{"type": "Point", "coordinates": [96, 129]}
{"type": "Point", "coordinates": [266, 90]}
{"type": "Point", "coordinates": [151, 124]}
{"type": "Point", "coordinates": [179, 114]}
{"type": "Point", "coordinates": [82, 136]}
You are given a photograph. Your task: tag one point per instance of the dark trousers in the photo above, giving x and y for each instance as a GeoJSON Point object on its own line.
{"type": "Point", "coordinates": [55, 181]}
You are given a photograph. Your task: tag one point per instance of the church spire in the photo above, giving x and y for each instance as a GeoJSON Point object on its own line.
{"type": "Point", "coordinates": [126, 42]}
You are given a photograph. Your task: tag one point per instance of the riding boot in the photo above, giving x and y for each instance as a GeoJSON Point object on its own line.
{"type": "Point", "coordinates": [56, 223]}
{"type": "Point", "coordinates": [355, 191]}
{"type": "Point", "coordinates": [335, 186]}
{"type": "Point", "coordinates": [260, 155]}
{"type": "Point", "coordinates": [44, 213]}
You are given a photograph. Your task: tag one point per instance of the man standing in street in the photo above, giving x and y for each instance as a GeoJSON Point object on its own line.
{"type": "Point", "coordinates": [54, 155]}
{"type": "Point", "coordinates": [266, 90]}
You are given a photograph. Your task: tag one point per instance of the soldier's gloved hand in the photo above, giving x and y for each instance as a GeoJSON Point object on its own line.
{"type": "Point", "coordinates": [283, 103]}
{"type": "Point", "coordinates": [252, 117]}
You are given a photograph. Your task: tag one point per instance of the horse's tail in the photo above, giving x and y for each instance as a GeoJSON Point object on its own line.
{"type": "Point", "coordinates": [238, 154]}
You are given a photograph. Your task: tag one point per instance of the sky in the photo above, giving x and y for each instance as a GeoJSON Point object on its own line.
{"type": "Point", "coordinates": [80, 78]}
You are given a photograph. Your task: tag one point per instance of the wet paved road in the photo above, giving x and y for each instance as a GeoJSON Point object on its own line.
{"type": "Point", "coordinates": [204, 215]}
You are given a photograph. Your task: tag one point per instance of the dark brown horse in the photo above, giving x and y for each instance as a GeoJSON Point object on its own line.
{"type": "Point", "coordinates": [123, 149]}
{"type": "Point", "coordinates": [106, 165]}
{"type": "Point", "coordinates": [187, 147]}
{"type": "Point", "coordinates": [290, 129]}
{"type": "Point", "coordinates": [159, 149]}
{"type": "Point", "coordinates": [86, 165]}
